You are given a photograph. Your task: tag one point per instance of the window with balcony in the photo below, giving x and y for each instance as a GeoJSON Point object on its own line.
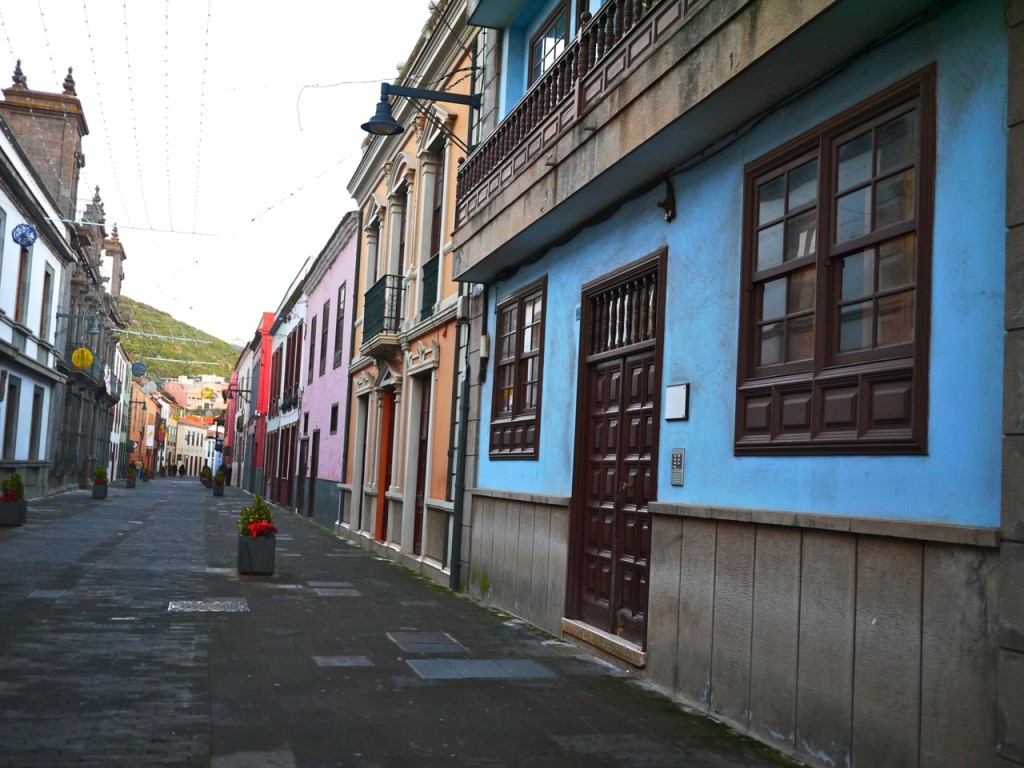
{"type": "Point", "coordinates": [515, 413]}
{"type": "Point", "coordinates": [836, 273]}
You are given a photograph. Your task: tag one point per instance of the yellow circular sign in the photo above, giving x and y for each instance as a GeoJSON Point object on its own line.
{"type": "Point", "coordinates": [175, 416]}
{"type": "Point", "coordinates": [207, 393]}
{"type": "Point", "coordinates": [81, 358]}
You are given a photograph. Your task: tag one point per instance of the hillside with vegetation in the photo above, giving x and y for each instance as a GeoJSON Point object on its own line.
{"type": "Point", "coordinates": [171, 348]}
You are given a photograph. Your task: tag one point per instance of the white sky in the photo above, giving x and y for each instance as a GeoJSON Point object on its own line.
{"type": "Point", "coordinates": [184, 168]}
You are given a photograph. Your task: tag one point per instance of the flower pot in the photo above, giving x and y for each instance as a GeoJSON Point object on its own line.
{"type": "Point", "coordinates": [99, 491]}
{"type": "Point", "coordinates": [13, 512]}
{"type": "Point", "coordinates": [129, 482]}
{"type": "Point", "coordinates": [208, 483]}
{"type": "Point", "coordinates": [218, 490]}
{"type": "Point", "coordinates": [256, 554]}
{"type": "Point", "coordinates": [145, 478]}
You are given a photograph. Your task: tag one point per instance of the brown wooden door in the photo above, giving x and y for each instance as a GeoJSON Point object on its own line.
{"type": "Point", "coordinates": [616, 540]}
{"type": "Point", "coordinates": [314, 468]}
{"type": "Point", "coordinates": [300, 486]}
{"type": "Point", "coordinates": [617, 449]}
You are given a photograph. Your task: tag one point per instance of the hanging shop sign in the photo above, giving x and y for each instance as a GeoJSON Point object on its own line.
{"type": "Point", "coordinates": [24, 235]}
{"type": "Point", "coordinates": [139, 369]}
{"type": "Point", "coordinates": [81, 358]}
{"type": "Point", "coordinates": [207, 393]}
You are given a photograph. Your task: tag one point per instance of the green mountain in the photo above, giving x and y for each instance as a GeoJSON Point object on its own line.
{"type": "Point", "coordinates": [171, 348]}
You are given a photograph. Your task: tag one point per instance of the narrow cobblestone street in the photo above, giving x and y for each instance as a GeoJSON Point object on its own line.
{"type": "Point", "coordinates": [128, 639]}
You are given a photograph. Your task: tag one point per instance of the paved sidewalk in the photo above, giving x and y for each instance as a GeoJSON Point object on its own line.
{"type": "Point", "coordinates": [127, 638]}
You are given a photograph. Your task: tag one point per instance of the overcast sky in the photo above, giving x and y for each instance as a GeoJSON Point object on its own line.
{"type": "Point", "coordinates": [222, 172]}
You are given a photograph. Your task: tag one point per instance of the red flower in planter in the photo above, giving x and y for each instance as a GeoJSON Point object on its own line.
{"type": "Point", "coordinates": [262, 528]}
{"type": "Point", "coordinates": [10, 496]}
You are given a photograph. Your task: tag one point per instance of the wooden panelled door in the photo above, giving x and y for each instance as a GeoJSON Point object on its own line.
{"type": "Point", "coordinates": [617, 451]}
{"type": "Point", "coordinates": [314, 469]}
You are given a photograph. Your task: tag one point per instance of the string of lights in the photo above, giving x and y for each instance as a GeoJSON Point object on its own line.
{"type": "Point", "coordinates": [167, 107]}
{"type": "Point", "coordinates": [202, 113]}
{"type": "Point", "coordinates": [35, 122]}
{"type": "Point", "coordinates": [103, 120]}
{"type": "Point", "coordinates": [296, 191]}
{"type": "Point", "coordinates": [134, 114]}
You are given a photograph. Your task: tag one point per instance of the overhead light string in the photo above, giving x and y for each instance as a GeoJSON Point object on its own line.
{"type": "Point", "coordinates": [202, 113]}
{"type": "Point", "coordinates": [167, 108]}
{"type": "Point", "coordinates": [103, 120]}
{"type": "Point", "coordinates": [135, 119]}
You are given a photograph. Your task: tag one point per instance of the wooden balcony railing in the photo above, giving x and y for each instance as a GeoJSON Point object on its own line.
{"type": "Point", "coordinates": [598, 37]}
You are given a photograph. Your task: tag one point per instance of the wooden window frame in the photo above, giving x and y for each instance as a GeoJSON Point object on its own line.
{"type": "Point", "coordinates": [874, 400]}
{"type": "Point", "coordinates": [515, 432]}
{"type": "Point", "coordinates": [23, 288]}
{"type": "Point", "coordinates": [339, 322]}
{"type": "Point", "coordinates": [324, 330]}
{"type": "Point", "coordinates": [312, 350]}
{"type": "Point", "coordinates": [560, 11]}
{"type": "Point", "coordinates": [47, 304]}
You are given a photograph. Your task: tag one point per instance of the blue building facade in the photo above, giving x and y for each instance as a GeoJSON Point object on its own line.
{"type": "Point", "coordinates": [740, 383]}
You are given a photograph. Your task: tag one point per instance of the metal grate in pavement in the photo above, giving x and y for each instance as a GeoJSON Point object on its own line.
{"type": "Point", "coordinates": [426, 642]}
{"type": "Point", "coordinates": [343, 661]}
{"type": "Point", "coordinates": [329, 583]}
{"type": "Point", "coordinates": [47, 594]}
{"type": "Point", "coordinates": [338, 592]}
{"type": "Point", "coordinates": [479, 669]}
{"type": "Point", "coordinates": [210, 605]}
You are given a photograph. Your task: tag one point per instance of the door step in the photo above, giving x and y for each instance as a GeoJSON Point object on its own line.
{"type": "Point", "coordinates": [605, 642]}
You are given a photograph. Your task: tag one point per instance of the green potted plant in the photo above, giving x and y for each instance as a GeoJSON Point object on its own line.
{"type": "Point", "coordinates": [206, 476]}
{"type": "Point", "coordinates": [99, 482]}
{"type": "Point", "coordinates": [146, 474]}
{"type": "Point", "coordinates": [218, 483]}
{"type": "Point", "coordinates": [256, 538]}
{"type": "Point", "coordinates": [13, 507]}
{"type": "Point", "coordinates": [130, 476]}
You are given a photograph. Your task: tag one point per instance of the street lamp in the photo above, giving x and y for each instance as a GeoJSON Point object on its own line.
{"type": "Point", "coordinates": [383, 122]}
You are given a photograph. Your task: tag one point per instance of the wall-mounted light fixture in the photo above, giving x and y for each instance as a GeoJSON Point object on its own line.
{"type": "Point", "coordinates": [383, 122]}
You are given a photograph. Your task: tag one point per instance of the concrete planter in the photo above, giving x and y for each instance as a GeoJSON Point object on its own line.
{"type": "Point", "coordinates": [13, 512]}
{"type": "Point", "coordinates": [145, 478]}
{"type": "Point", "coordinates": [99, 491]}
{"type": "Point", "coordinates": [256, 554]}
{"type": "Point", "coordinates": [129, 482]}
{"type": "Point", "coordinates": [218, 490]}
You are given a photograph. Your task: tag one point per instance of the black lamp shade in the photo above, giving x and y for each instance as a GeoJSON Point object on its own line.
{"type": "Point", "coordinates": [382, 123]}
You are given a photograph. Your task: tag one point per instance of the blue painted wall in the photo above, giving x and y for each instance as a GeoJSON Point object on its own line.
{"type": "Point", "coordinates": [958, 481]}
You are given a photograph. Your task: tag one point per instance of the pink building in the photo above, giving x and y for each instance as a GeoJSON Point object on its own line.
{"type": "Point", "coordinates": [324, 376]}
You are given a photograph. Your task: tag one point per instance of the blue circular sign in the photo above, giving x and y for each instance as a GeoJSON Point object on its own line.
{"type": "Point", "coordinates": [139, 369]}
{"type": "Point", "coordinates": [24, 235]}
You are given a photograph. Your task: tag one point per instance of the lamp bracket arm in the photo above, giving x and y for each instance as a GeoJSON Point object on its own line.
{"type": "Point", "coordinates": [423, 93]}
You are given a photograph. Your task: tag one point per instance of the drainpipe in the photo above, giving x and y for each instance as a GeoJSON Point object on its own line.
{"type": "Point", "coordinates": [460, 470]}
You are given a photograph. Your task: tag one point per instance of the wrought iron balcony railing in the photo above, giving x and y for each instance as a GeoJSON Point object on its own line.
{"type": "Point", "coordinates": [383, 313]}
{"type": "Point", "coordinates": [429, 296]}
